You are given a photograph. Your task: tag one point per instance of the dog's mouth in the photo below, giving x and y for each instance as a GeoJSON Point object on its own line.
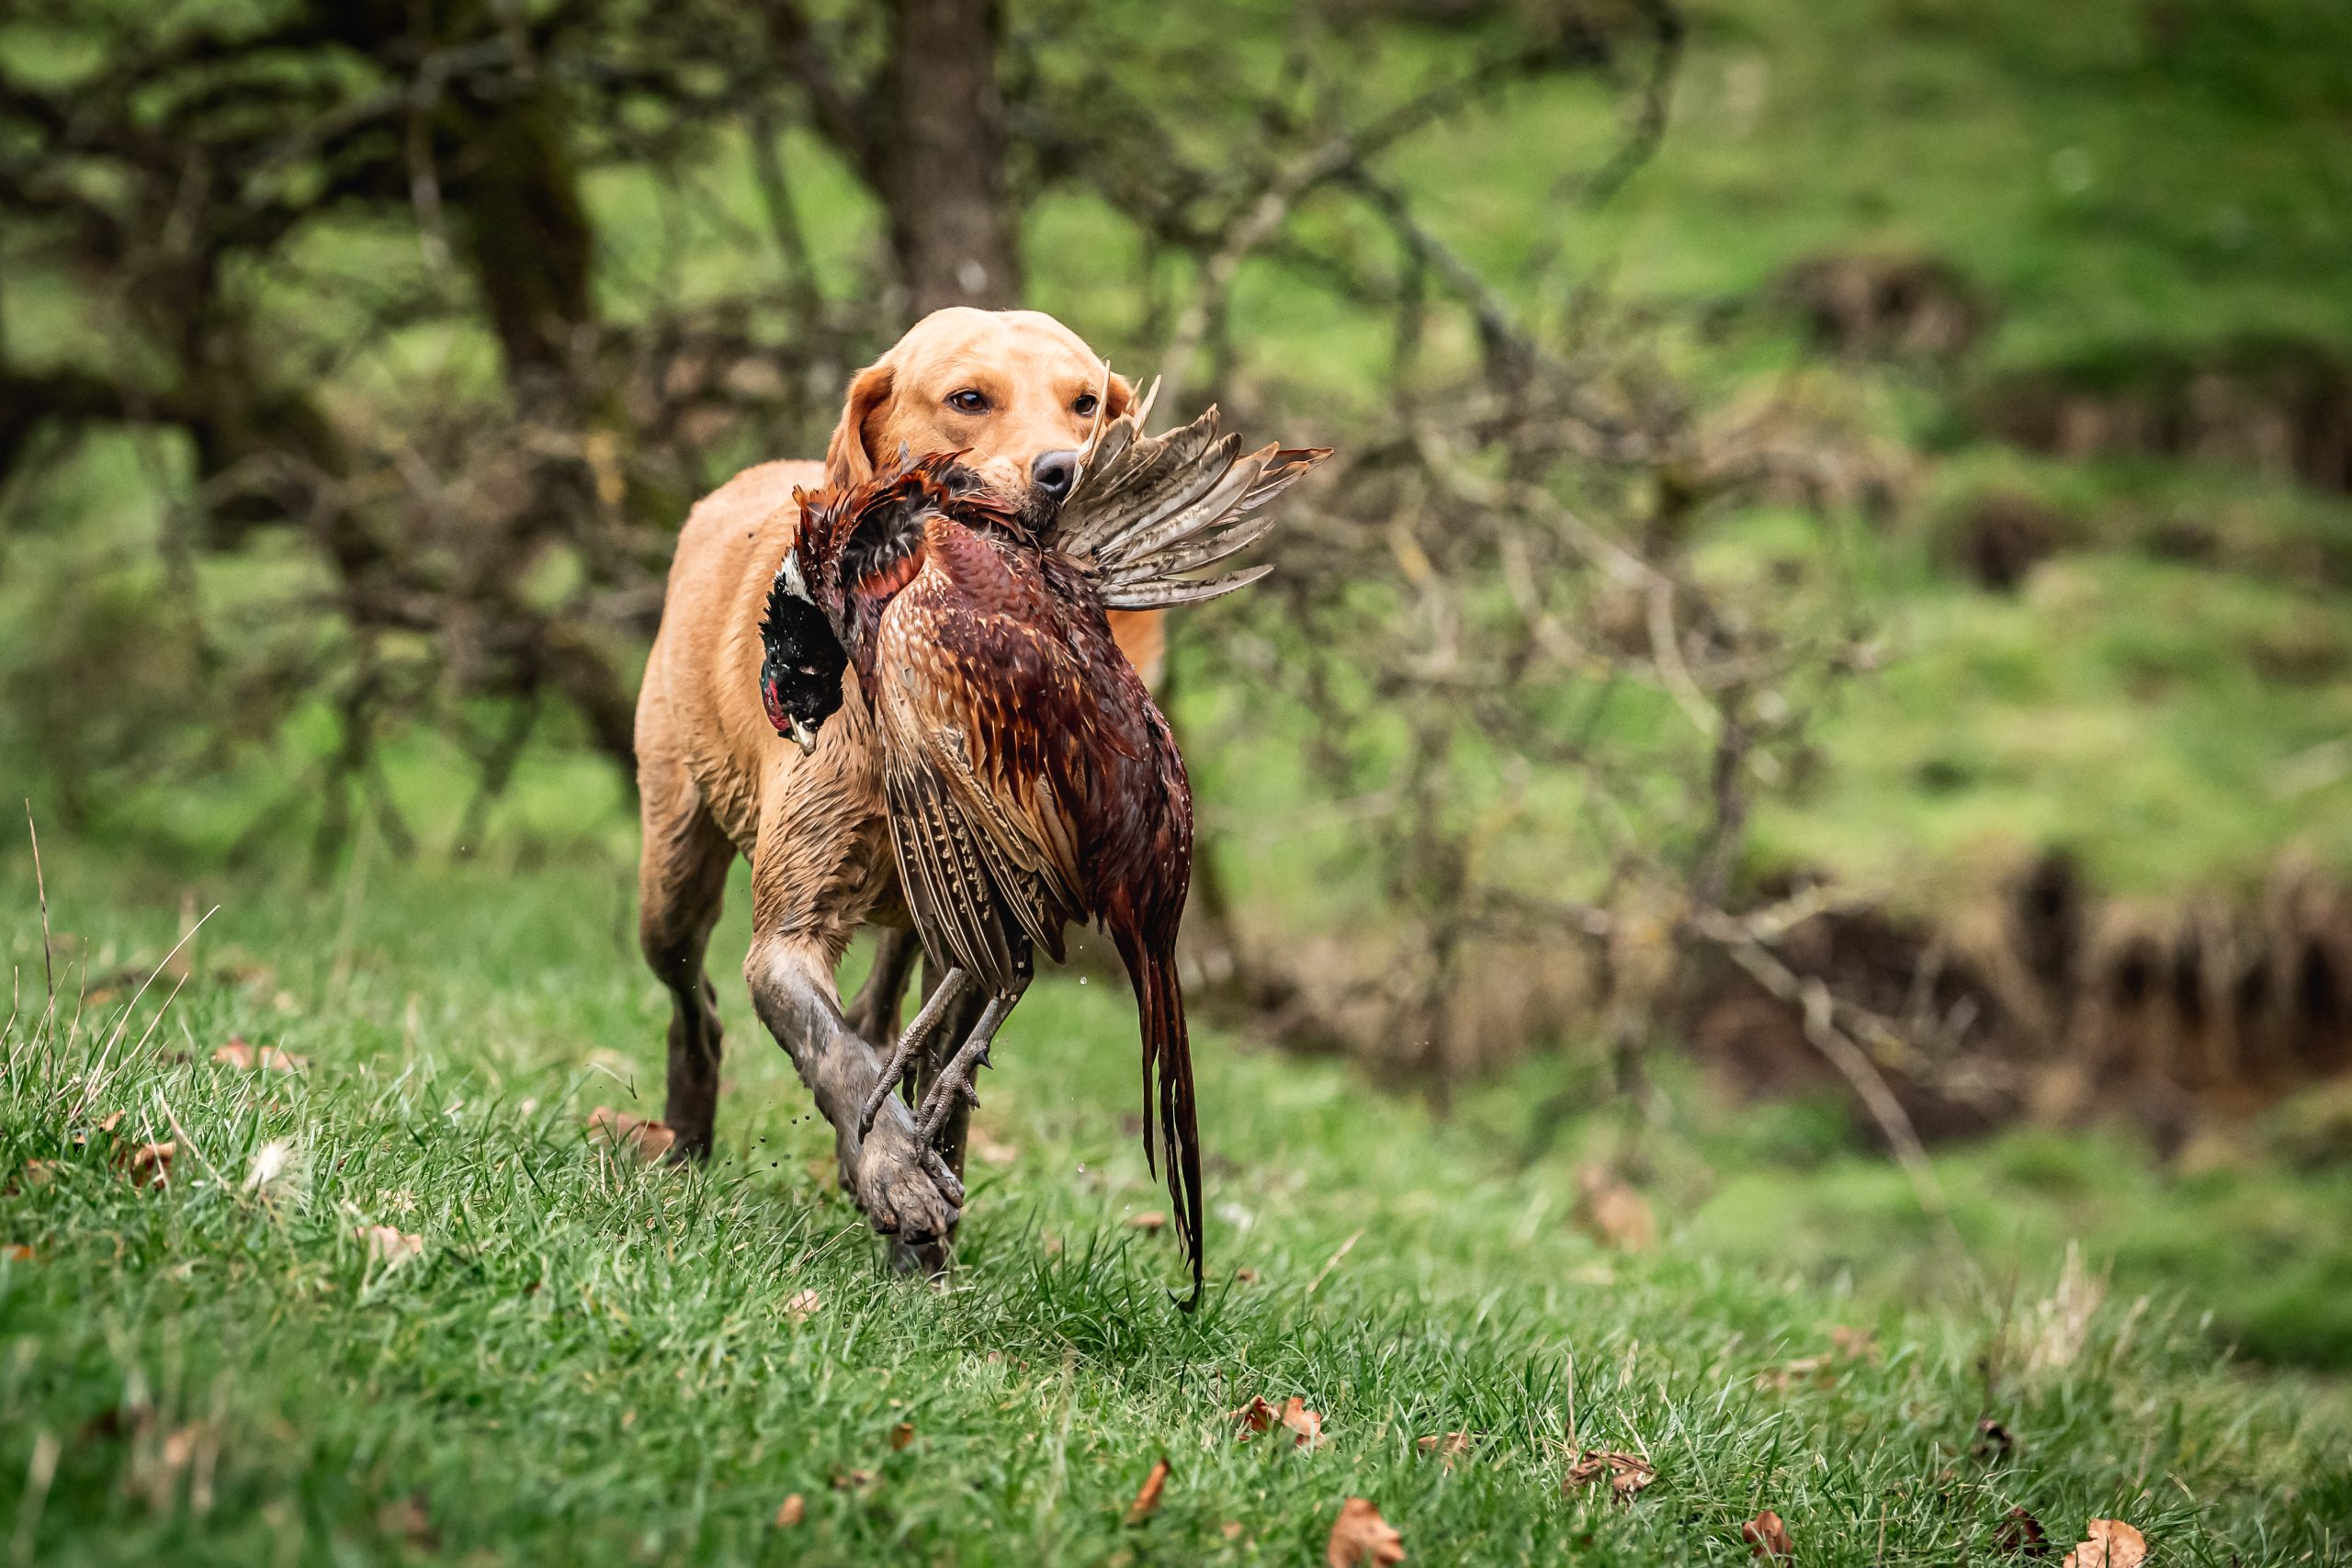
{"type": "Point", "coordinates": [1037, 510]}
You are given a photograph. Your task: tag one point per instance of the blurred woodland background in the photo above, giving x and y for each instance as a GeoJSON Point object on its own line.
{"type": "Point", "coordinates": [1839, 567]}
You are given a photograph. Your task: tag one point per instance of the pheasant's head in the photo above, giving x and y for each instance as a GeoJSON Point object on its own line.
{"type": "Point", "coordinates": [801, 660]}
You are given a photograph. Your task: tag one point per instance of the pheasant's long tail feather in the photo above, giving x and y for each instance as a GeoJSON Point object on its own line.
{"type": "Point", "coordinates": [1167, 1079]}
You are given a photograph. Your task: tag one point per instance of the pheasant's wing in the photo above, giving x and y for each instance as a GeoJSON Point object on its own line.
{"type": "Point", "coordinates": [1148, 510]}
{"type": "Point", "coordinates": [974, 710]}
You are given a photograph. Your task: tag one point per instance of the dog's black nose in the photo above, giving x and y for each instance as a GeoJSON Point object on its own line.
{"type": "Point", "coordinates": [1053, 473]}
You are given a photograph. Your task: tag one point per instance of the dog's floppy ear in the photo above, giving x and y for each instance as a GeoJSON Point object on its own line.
{"type": "Point", "coordinates": [1119, 397]}
{"type": "Point", "coordinates": [849, 459]}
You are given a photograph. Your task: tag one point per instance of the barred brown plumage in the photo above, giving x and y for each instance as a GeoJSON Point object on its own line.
{"type": "Point", "coordinates": [1030, 780]}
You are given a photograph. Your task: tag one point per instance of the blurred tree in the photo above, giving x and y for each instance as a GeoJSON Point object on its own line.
{"type": "Point", "coordinates": [927, 132]}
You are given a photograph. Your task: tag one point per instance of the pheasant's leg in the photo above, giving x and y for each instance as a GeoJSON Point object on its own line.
{"type": "Point", "coordinates": [902, 1056]}
{"type": "Point", "coordinates": [956, 1079]}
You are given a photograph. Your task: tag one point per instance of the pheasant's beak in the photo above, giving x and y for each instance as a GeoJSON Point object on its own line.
{"type": "Point", "coordinates": [804, 737]}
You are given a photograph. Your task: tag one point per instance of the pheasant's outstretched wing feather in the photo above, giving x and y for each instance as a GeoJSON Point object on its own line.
{"type": "Point", "coordinates": [1148, 509]}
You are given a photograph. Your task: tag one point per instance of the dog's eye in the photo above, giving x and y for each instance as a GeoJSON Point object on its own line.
{"type": "Point", "coordinates": [1084, 407]}
{"type": "Point", "coordinates": [968, 401]}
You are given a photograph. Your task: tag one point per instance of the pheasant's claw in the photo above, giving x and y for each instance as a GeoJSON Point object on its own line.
{"type": "Point", "coordinates": [933, 1114]}
{"type": "Point", "coordinates": [904, 1055]}
{"type": "Point", "coordinates": [894, 1072]}
{"type": "Point", "coordinates": [955, 1077]}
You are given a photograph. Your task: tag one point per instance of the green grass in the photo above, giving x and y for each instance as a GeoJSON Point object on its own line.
{"type": "Point", "coordinates": [594, 1364]}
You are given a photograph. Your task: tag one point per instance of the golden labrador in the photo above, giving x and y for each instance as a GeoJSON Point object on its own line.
{"type": "Point", "coordinates": [1016, 392]}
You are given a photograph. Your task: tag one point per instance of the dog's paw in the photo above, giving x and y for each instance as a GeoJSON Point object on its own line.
{"type": "Point", "coordinates": [904, 1187]}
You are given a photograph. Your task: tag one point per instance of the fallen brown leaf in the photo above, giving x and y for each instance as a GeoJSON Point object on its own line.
{"type": "Point", "coordinates": [17, 1252]}
{"type": "Point", "coordinates": [802, 1305]}
{"type": "Point", "coordinates": [36, 1173]}
{"type": "Point", "coordinates": [389, 1244]}
{"type": "Point", "coordinates": [1147, 1501]}
{"type": "Point", "coordinates": [1767, 1538]}
{"type": "Point", "coordinates": [2021, 1536]}
{"type": "Point", "coordinates": [1260, 1416]}
{"type": "Point", "coordinates": [1854, 1343]}
{"type": "Point", "coordinates": [1361, 1536]}
{"type": "Point", "coordinates": [1626, 1473]}
{"type": "Point", "coordinates": [902, 1435]}
{"type": "Point", "coordinates": [2109, 1543]}
{"type": "Point", "coordinates": [1446, 1445]}
{"type": "Point", "coordinates": [151, 1164]}
{"type": "Point", "coordinates": [1150, 1221]}
{"type": "Point", "coordinates": [1245, 1276]}
{"type": "Point", "coordinates": [790, 1512]}
{"type": "Point", "coordinates": [648, 1140]}
{"type": "Point", "coordinates": [109, 1122]}
{"type": "Point", "coordinates": [268, 1058]}
{"type": "Point", "coordinates": [853, 1480]}
{"type": "Point", "coordinates": [1993, 1440]}
{"type": "Point", "coordinates": [1613, 1212]}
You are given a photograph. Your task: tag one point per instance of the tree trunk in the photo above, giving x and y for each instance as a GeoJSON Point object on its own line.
{"type": "Point", "coordinates": [941, 154]}
{"type": "Point", "coordinates": [526, 233]}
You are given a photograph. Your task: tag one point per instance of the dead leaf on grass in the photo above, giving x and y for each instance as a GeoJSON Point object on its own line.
{"type": "Point", "coordinates": [790, 1512]}
{"type": "Point", "coordinates": [902, 1435]}
{"type": "Point", "coordinates": [1446, 1445]}
{"type": "Point", "coordinates": [389, 1244]}
{"type": "Point", "coordinates": [647, 1139]}
{"type": "Point", "coordinates": [1147, 1501]}
{"type": "Point", "coordinates": [17, 1252]}
{"type": "Point", "coordinates": [36, 1173]}
{"type": "Point", "coordinates": [853, 1480]}
{"type": "Point", "coordinates": [151, 1164]}
{"type": "Point", "coordinates": [1245, 1276]}
{"type": "Point", "coordinates": [1767, 1538]}
{"type": "Point", "coordinates": [1613, 1212]}
{"type": "Point", "coordinates": [2021, 1536]}
{"type": "Point", "coordinates": [1359, 1536]}
{"type": "Point", "coordinates": [1148, 1221]}
{"type": "Point", "coordinates": [802, 1305]}
{"type": "Point", "coordinates": [1260, 1416]}
{"type": "Point", "coordinates": [268, 1058]}
{"type": "Point", "coordinates": [2109, 1543]}
{"type": "Point", "coordinates": [1993, 1440]}
{"type": "Point", "coordinates": [1627, 1473]}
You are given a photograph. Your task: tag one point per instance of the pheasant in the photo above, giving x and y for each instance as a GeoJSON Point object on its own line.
{"type": "Point", "coordinates": [1029, 782]}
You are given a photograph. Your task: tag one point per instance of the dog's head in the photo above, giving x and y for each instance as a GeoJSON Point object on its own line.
{"type": "Point", "coordinates": [1015, 392]}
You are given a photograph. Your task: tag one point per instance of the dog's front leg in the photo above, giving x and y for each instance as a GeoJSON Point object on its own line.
{"type": "Point", "coordinates": [899, 1179]}
{"type": "Point", "coordinates": [822, 865]}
